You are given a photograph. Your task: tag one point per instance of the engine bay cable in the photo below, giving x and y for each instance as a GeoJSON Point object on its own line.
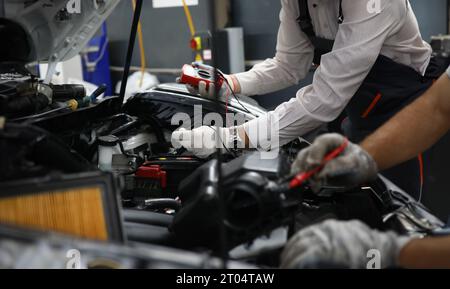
{"type": "Point", "coordinates": [222, 141]}
{"type": "Point", "coordinates": [234, 94]}
{"type": "Point", "coordinates": [71, 105]}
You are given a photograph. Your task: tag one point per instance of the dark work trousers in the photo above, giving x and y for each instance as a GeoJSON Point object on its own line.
{"type": "Point", "coordinates": [387, 89]}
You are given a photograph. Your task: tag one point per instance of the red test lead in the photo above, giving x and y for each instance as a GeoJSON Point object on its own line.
{"type": "Point", "coordinates": [303, 177]}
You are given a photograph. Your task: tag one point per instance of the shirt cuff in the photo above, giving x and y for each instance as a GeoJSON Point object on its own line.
{"type": "Point", "coordinates": [247, 83]}
{"type": "Point", "coordinates": [448, 71]}
{"type": "Point", "coordinates": [287, 122]}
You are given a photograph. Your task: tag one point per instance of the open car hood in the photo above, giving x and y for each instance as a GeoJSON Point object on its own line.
{"type": "Point", "coordinates": [53, 30]}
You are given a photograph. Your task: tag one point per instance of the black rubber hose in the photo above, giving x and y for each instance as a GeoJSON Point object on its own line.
{"type": "Point", "coordinates": [17, 106]}
{"type": "Point", "coordinates": [147, 218]}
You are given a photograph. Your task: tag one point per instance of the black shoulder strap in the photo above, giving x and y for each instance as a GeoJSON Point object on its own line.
{"type": "Point", "coordinates": [321, 45]}
{"type": "Point", "coordinates": [2, 8]}
{"type": "Point", "coordinates": [305, 21]}
{"type": "Point", "coordinates": [341, 13]}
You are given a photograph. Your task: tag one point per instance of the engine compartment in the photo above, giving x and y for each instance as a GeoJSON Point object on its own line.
{"type": "Point", "coordinates": [168, 197]}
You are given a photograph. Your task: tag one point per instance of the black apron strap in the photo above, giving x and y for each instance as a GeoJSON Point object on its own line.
{"type": "Point", "coordinates": [304, 20]}
{"type": "Point", "coordinates": [341, 13]}
{"type": "Point", "coordinates": [322, 46]}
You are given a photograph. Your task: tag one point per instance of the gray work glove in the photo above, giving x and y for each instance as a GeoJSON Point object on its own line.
{"type": "Point", "coordinates": [345, 244]}
{"type": "Point", "coordinates": [352, 168]}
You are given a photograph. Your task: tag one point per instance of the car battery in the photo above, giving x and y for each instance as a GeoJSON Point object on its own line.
{"type": "Point", "coordinates": [159, 178]}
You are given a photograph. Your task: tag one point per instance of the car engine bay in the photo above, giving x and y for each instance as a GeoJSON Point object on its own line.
{"type": "Point", "coordinates": [165, 194]}
{"type": "Point", "coordinates": [162, 200]}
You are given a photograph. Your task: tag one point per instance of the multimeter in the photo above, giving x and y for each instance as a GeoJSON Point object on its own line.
{"type": "Point", "coordinates": [193, 74]}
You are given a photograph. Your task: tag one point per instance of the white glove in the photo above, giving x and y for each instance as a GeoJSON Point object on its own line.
{"type": "Point", "coordinates": [202, 141]}
{"type": "Point", "coordinates": [352, 168]}
{"type": "Point", "coordinates": [347, 244]}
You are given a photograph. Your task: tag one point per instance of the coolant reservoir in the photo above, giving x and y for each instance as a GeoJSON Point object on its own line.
{"type": "Point", "coordinates": [108, 146]}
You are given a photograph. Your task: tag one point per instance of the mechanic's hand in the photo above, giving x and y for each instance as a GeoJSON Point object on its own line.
{"type": "Point", "coordinates": [202, 141]}
{"type": "Point", "coordinates": [226, 90]}
{"type": "Point", "coordinates": [342, 244]}
{"type": "Point", "coordinates": [352, 168]}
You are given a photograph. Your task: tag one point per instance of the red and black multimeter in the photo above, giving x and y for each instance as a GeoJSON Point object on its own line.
{"type": "Point", "coordinates": [193, 74]}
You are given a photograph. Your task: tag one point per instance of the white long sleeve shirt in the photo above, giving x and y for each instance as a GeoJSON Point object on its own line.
{"type": "Point", "coordinates": [392, 30]}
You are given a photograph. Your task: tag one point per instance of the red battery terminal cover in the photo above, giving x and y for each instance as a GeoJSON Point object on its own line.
{"type": "Point", "coordinates": [153, 172]}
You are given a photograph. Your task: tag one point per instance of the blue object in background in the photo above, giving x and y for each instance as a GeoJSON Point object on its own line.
{"type": "Point", "coordinates": [96, 63]}
{"type": "Point", "coordinates": [432, 17]}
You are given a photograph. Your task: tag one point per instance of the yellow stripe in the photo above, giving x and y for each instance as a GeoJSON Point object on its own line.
{"type": "Point", "coordinates": [189, 18]}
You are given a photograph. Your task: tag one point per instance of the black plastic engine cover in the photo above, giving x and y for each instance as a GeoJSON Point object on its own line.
{"type": "Point", "coordinates": [249, 209]}
{"type": "Point", "coordinates": [163, 102]}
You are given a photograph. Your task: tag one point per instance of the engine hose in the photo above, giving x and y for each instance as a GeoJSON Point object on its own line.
{"type": "Point", "coordinates": [23, 105]}
{"type": "Point", "coordinates": [124, 127]}
{"type": "Point", "coordinates": [69, 105]}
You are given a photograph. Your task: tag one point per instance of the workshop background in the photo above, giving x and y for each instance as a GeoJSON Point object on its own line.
{"type": "Point", "coordinates": [164, 42]}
